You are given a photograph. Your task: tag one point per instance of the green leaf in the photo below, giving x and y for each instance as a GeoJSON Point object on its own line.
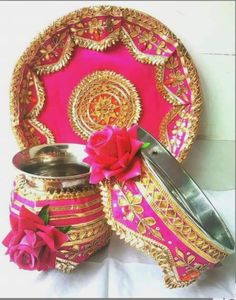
{"type": "Point", "coordinates": [64, 229]}
{"type": "Point", "coordinates": [145, 145]}
{"type": "Point", "coordinates": [44, 214]}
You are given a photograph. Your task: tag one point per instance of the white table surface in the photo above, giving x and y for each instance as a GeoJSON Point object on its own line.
{"type": "Point", "coordinates": [207, 30]}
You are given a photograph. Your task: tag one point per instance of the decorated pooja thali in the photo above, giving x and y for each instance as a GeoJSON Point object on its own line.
{"type": "Point", "coordinates": [118, 85]}
{"type": "Point", "coordinates": [105, 65]}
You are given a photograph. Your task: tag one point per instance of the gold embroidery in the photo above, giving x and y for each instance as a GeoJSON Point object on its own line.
{"type": "Point", "coordinates": [140, 56]}
{"type": "Point", "coordinates": [87, 238]}
{"type": "Point", "coordinates": [40, 95]}
{"type": "Point", "coordinates": [69, 31]}
{"type": "Point", "coordinates": [101, 45]}
{"type": "Point", "coordinates": [130, 206]}
{"type": "Point", "coordinates": [77, 215]}
{"type": "Point", "coordinates": [163, 136]}
{"type": "Point", "coordinates": [24, 190]}
{"type": "Point", "coordinates": [160, 253]}
{"type": "Point", "coordinates": [72, 252]}
{"type": "Point", "coordinates": [66, 207]}
{"type": "Point", "coordinates": [147, 39]}
{"type": "Point", "coordinates": [190, 74]}
{"type": "Point", "coordinates": [65, 265]}
{"type": "Point", "coordinates": [196, 100]}
{"type": "Point", "coordinates": [43, 130]}
{"type": "Point", "coordinates": [162, 203]}
{"type": "Point", "coordinates": [165, 207]}
{"type": "Point", "coordinates": [102, 98]}
{"type": "Point", "coordinates": [68, 48]}
{"type": "Point", "coordinates": [177, 79]}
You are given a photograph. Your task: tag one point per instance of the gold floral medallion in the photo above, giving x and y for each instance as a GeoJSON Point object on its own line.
{"type": "Point", "coordinates": [103, 98]}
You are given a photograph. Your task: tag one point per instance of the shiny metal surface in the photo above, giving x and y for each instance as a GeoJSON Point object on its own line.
{"type": "Point", "coordinates": [51, 161]}
{"type": "Point", "coordinates": [52, 165]}
{"type": "Point", "coordinates": [186, 192]}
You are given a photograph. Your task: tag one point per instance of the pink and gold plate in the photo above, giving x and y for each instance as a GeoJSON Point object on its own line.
{"type": "Point", "coordinates": [105, 65]}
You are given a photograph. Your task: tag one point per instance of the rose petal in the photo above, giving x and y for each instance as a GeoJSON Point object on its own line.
{"type": "Point", "coordinates": [49, 241]}
{"type": "Point", "coordinates": [29, 238]}
{"type": "Point", "coordinates": [59, 237]}
{"type": "Point", "coordinates": [133, 170]}
{"type": "Point", "coordinates": [133, 132]}
{"type": "Point", "coordinates": [28, 224]}
{"type": "Point", "coordinates": [122, 162]}
{"type": "Point", "coordinates": [105, 160]}
{"type": "Point", "coordinates": [110, 173]}
{"type": "Point", "coordinates": [107, 147]}
{"type": "Point", "coordinates": [123, 145]}
{"type": "Point", "coordinates": [8, 239]}
{"type": "Point", "coordinates": [14, 222]}
{"type": "Point", "coordinates": [24, 257]}
{"type": "Point", "coordinates": [100, 138]}
{"type": "Point", "coordinates": [46, 259]}
{"type": "Point", "coordinates": [53, 237]}
{"type": "Point", "coordinates": [96, 176]}
{"type": "Point", "coordinates": [27, 214]}
{"type": "Point", "coordinates": [88, 160]}
{"type": "Point", "coordinates": [135, 146]}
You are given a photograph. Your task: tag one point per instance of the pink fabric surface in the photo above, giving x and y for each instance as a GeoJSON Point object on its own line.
{"type": "Point", "coordinates": [64, 212]}
{"type": "Point", "coordinates": [170, 239]}
{"type": "Point", "coordinates": [54, 202]}
{"type": "Point", "coordinates": [133, 46]}
{"type": "Point", "coordinates": [59, 85]}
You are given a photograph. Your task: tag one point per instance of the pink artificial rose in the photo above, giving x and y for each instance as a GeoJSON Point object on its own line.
{"type": "Point", "coordinates": [112, 152]}
{"type": "Point", "coordinates": [31, 244]}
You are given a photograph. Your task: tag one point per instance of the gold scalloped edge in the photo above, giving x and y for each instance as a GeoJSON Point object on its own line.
{"type": "Point", "coordinates": [85, 82]}
{"type": "Point", "coordinates": [19, 136]}
{"type": "Point", "coordinates": [194, 84]}
{"type": "Point", "coordinates": [157, 251]}
{"type": "Point", "coordinates": [43, 130]}
{"type": "Point", "coordinates": [32, 116]}
{"type": "Point", "coordinates": [137, 54]}
{"type": "Point", "coordinates": [63, 61]}
{"type": "Point", "coordinates": [166, 93]}
{"type": "Point", "coordinates": [102, 45]}
{"type": "Point", "coordinates": [163, 134]}
{"type": "Point", "coordinates": [197, 101]}
{"type": "Point", "coordinates": [144, 20]}
{"type": "Point", "coordinates": [34, 113]}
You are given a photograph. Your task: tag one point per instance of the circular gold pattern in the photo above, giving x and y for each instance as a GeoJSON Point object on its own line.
{"type": "Point", "coordinates": [103, 98]}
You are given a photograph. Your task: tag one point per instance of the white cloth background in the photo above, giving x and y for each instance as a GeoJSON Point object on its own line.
{"type": "Point", "coordinates": [207, 30]}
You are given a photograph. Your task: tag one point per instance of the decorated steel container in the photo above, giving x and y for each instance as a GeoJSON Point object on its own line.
{"type": "Point", "coordinates": [54, 176]}
{"type": "Point", "coordinates": [163, 213]}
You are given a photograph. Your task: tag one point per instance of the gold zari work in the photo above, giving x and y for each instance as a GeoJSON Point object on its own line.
{"type": "Point", "coordinates": [106, 27]}
{"type": "Point", "coordinates": [103, 98]}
